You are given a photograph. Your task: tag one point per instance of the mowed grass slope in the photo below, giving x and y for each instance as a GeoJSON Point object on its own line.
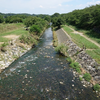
{"type": "Point", "coordinates": [91, 48]}
{"type": "Point", "coordinates": [91, 34]}
{"type": "Point", "coordinates": [79, 40]}
{"type": "Point", "coordinates": [11, 29]}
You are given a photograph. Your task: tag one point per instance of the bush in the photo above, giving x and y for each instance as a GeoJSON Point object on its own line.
{"type": "Point", "coordinates": [69, 60]}
{"type": "Point", "coordinates": [76, 66]}
{"type": "Point", "coordinates": [96, 87]}
{"type": "Point", "coordinates": [61, 49]}
{"type": "Point", "coordinates": [80, 78]}
{"type": "Point", "coordinates": [4, 44]}
{"type": "Point", "coordinates": [35, 29]}
{"type": "Point", "coordinates": [87, 77]}
{"type": "Point", "coordinates": [28, 39]}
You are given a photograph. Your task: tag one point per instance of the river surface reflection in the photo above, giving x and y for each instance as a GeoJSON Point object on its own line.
{"type": "Point", "coordinates": [42, 74]}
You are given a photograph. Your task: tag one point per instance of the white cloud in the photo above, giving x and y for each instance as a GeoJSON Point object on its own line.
{"type": "Point", "coordinates": [41, 6]}
{"type": "Point", "coordinates": [60, 5]}
{"type": "Point", "coordinates": [93, 2]}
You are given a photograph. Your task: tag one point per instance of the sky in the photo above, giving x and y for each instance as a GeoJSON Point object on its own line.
{"type": "Point", "coordinates": [44, 6]}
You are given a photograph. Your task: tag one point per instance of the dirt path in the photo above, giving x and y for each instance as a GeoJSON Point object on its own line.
{"type": "Point", "coordinates": [81, 34]}
{"type": "Point", "coordinates": [1, 43]}
{"type": "Point", "coordinates": [11, 36]}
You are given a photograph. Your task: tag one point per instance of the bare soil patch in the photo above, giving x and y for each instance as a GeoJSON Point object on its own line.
{"type": "Point", "coordinates": [11, 36]}
{"type": "Point", "coordinates": [1, 43]}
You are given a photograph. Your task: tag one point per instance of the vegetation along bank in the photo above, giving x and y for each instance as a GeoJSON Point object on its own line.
{"type": "Point", "coordinates": [18, 34]}
{"type": "Point", "coordinates": [81, 50]}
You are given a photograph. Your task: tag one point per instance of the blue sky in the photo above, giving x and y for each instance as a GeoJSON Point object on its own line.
{"type": "Point", "coordinates": [44, 6]}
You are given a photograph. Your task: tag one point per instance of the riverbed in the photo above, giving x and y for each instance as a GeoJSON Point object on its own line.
{"type": "Point", "coordinates": [42, 74]}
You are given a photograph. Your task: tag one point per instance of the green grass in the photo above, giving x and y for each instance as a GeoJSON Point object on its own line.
{"type": "Point", "coordinates": [87, 77]}
{"type": "Point", "coordinates": [12, 29]}
{"type": "Point", "coordinates": [79, 40]}
{"type": "Point", "coordinates": [96, 87]}
{"type": "Point", "coordinates": [55, 40]}
{"type": "Point", "coordinates": [76, 66]}
{"type": "Point", "coordinates": [89, 33]}
{"type": "Point", "coordinates": [62, 49]}
{"type": "Point", "coordinates": [95, 54]}
{"type": "Point", "coordinates": [9, 27]}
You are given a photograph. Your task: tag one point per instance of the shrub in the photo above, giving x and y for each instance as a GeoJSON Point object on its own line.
{"type": "Point", "coordinates": [80, 78]}
{"type": "Point", "coordinates": [87, 76]}
{"type": "Point", "coordinates": [4, 44]}
{"type": "Point", "coordinates": [61, 49]}
{"type": "Point", "coordinates": [69, 60]}
{"type": "Point", "coordinates": [76, 66]}
{"type": "Point", "coordinates": [96, 87]}
{"type": "Point", "coordinates": [28, 39]}
{"type": "Point", "coordinates": [35, 29]}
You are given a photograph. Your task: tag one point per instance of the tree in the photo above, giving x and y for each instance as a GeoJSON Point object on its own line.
{"type": "Point", "coordinates": [35, 29]}
{"type": "Point", "coordinates": [1, 19]}
{"type": "Point", "coordinates": [57, 22]}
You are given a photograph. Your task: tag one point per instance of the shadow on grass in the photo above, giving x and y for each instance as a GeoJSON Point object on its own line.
{"type": "Point", "coordinates": [93, 34]}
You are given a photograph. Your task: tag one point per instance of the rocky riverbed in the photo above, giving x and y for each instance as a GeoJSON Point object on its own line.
{"type": "Point", "coordinates": [14, 50]}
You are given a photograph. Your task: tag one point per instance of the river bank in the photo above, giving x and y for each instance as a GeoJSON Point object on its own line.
{"type": "Point", "coordinates": [88, 65]}
{"type": "Point", "coordinates": [42, 74]}
{"type": "Point", "coordinates": [14, 50]}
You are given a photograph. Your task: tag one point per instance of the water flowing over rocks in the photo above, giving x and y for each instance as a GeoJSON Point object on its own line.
{"type": "Point", "coordinates": [14, 50]}
{"type": "Point", "coordinates": [79, 55]}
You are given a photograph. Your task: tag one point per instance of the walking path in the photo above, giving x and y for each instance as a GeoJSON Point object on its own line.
{"type": "Point", "coordinates": [81, 34]}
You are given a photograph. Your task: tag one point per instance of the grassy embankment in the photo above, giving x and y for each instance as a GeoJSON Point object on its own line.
{"type": "Point", "coordinates": [11, 29]}
{"type": "Point", "coordinates": [91, 49]}
{"type": "Point", "coordinates": [55, 40]}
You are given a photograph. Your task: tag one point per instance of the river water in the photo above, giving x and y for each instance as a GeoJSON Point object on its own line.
{"type": "Point", "coordinates": [42, 74]}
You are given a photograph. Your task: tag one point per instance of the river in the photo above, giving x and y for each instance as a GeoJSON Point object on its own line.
{"type": "Point", "coordinates": [42, 74]}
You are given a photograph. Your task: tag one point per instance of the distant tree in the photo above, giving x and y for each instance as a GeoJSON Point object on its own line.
{"type": "Point", "coordinates": [1, 19]}
{"type": "Point", "coordinates": [48, 18]}
{"type": "Point", "coordinates": [30, 21]}
{"type": "Point", "coordinates": [57, 22]}
{"type": "Point", "coordinates": [55, 15]}
{"type": "Point", "coordinates": [13, 19]}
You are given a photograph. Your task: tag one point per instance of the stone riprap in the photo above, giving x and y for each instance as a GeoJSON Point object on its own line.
{"type": "Point", "coordinates": [80, 56]}
{"type": "Point", "coordinates": [13, 51]}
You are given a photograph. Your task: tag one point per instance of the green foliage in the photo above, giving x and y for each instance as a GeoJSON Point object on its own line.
{"type": "Point", "coordinates": [86, 18]}
{"type": "Point", "coordinates": [95, 54]}
{"type": "Point", "coordinates": [3, 47]}
{"type": "Point", "coordinates": [1, 19]}
{"type": "Point", "coordinates": [55, 40]}
{"type": "Point", "coordinates": [80, 78]}
{"type": "Point", "coordinates": [29, 21]}
{"type": "Point", "coordinates": [69, 60]}
{"type": "Point", "coordinates": [35, 29]}
{"type": "Point", "coordinates": [61, 49]}
{"type": "Point", "coordinates": [96, 87]}
{"type": "Point", "coordinates": [57, 22]}
{"type": "Point", "coordinates": [13, 19]}
{"type": "Point", "coordinates": [28, 39]}
{"type": "Point", "coordinates": [76, 66]}
{"type": "Point", "coordinates": [87, 77]}
{"type": "Point", "coordinates": [79, 40]}
{"type": "Point", "coordinates": [4, 44]}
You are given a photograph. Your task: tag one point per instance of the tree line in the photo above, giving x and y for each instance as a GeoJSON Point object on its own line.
{"type": "Point", "coordinates": [88, 18]}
